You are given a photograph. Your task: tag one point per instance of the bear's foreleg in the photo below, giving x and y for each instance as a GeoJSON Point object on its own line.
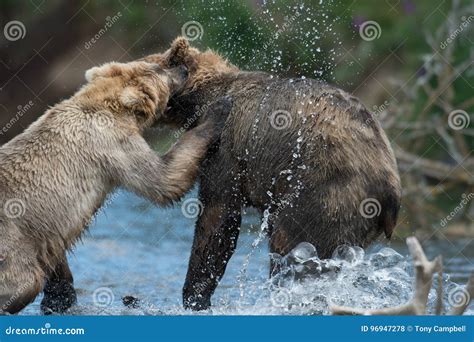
{"type": "Point", "coordinates": [168, 179]}
{"type": "Point", "coordinates": [216, 233]}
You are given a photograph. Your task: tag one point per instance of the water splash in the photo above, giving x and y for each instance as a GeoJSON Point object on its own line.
{"type": "Point", "coordinates": [305, 285]}
{"type": "Point", "coordinates": [242, 279]}
{"type": "Point", "coordinates": [376, 278]}
{"type": "Point", "coordinates": [379, 279]}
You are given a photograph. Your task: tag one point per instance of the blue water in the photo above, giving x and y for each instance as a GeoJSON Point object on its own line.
{"type": "Point", "coordinates": [134, 248]}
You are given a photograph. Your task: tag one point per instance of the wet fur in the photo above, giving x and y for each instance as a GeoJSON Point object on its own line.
{"type": "Point", "coordinates": [66, 163]}
{"type": "Point", "coordinates": [344, 158]}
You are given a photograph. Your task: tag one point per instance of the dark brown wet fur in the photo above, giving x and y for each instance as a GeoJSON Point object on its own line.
{"type": "Point", "coordinates": [311, 176]}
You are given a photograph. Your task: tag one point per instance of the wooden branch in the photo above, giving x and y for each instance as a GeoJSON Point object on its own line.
{"type": "Point", "coordinates": [439, 291]}
{"type": "Point", "coordinates": [424, 271]}
{"type": "Point", "coordinates": [450, 143]}
{"type": "Point", "coordinates": [434, 169]}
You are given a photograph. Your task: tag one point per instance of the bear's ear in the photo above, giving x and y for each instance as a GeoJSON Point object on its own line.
{"type": "Point", "coordinates": [178, 52]}
{"type": "Point", "coordinates": [106, 70]}
{"type": "Point", "coordinates": [130, 97]}
{"type": "Point", "coordinates": [92, 73]}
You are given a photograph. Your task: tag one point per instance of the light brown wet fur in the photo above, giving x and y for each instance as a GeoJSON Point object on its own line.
{"type": "Point", "coordinates": [311, 176]}
{"type": "Point", "coordinates": [55, 175]}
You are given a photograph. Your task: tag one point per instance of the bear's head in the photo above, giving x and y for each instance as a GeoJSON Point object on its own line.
{"type": "Point", "coordinates": [137, 90]}
{"type": "Point", "coordinates": [204, 67]}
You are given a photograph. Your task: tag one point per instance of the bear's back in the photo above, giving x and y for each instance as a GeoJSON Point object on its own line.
{"type": "Point", "coordinates": [290, 133]}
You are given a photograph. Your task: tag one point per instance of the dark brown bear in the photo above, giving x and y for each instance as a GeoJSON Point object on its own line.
{"type": "Point", "coordinates": [306, 153]}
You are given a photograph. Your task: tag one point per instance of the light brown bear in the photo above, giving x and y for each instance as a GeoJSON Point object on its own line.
{"type": "Point", "coordinates": [306, 153]}
{"type": "Point", "coordinates": [57, 174]}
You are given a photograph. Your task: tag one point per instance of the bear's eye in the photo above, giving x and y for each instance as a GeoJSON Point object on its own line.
{"type": "Point", "coordinates": [140, 115]}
